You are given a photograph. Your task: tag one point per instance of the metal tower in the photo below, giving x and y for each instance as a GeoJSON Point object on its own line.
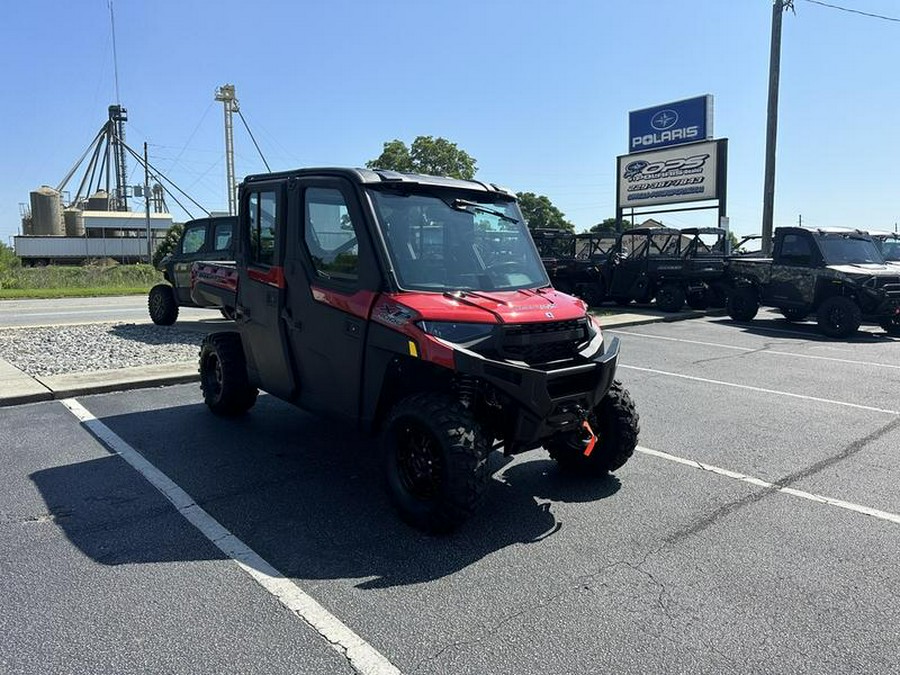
{"type": "Point", "coordinates": [225, 94]}
{"type": "Point", "coordinates": [117, 118]}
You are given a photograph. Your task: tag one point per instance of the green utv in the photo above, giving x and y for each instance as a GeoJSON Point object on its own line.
{"type": "Point", "coordinates": [835, 274]}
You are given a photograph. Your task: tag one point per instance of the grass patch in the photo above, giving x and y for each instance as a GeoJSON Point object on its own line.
{"type": "Point", "coordinates": [46, 293]}
{"type": "Point", "coordinates": [62, 281]}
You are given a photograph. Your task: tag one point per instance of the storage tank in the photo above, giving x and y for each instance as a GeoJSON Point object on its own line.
{"type": "Point", "coordinates": [99, 201]}
{"type": "Point", "coordinates": [74, 221]}
{"type": "Point", "coordinates": [27, 228]}
{"type": "Point", "coordinates": [46, 212]}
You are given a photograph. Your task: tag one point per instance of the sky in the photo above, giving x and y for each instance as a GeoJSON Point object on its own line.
{"type": "Point", "coordinates": [537, 92]}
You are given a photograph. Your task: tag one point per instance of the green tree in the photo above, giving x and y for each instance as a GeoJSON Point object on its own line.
{"type": "Point", "coordinates": [540, 213]}
{"type": "Point", "coordinates": [8, 258]}
{"type": "Point", "coordinates": [168, 245]}
{"type": "Point", "coordinates": [609, 225]}
{"type": "Point", "coordinates": [428, 155]}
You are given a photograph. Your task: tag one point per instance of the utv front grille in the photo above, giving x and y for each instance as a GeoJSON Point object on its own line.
{"type": "Point", "coordinates": [890, 286]}
{"type": "Point", "coordinates": [545, 342]}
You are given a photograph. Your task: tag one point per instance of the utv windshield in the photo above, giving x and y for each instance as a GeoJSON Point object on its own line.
{"type": "Point", "coordinates": [450, 241]}
{"type": "Point", "coordinates": [847, 250]}
{"type": "Point", "coordinates": [890, 249]}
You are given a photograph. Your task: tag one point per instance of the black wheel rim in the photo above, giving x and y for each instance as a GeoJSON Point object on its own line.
{"type": "Point", "coordinates": [212, 376]}
{"type": "Point", "coordinates": [837, 317]}
{"type": "Point", "coordinates": [420, 467]}
{"type": "Point", "coordinates": [157, 303]}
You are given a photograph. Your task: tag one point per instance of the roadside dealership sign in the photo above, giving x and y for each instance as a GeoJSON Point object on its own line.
{"type": "Point", "coordinates": [686, 121]}
{"type": "Point", "coordinates": [685, 173]}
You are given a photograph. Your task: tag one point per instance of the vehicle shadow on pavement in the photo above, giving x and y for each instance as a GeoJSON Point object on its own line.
{"type": "Point", "coordinates": [306, 495]}
{"type": "Point", "coordinates": [805, 330]}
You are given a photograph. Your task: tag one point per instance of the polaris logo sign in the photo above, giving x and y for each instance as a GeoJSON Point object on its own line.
{"type": "Point", "coordinates": [684, 174]}
{"type": "Point", "coordinates": [686, 121]}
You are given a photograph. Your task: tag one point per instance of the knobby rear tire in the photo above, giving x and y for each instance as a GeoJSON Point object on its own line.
{"type": "Point", "coordinates": [223, 375]}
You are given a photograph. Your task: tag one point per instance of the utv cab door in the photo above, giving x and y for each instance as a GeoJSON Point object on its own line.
{"type": "Point", "coordinates": [194, 245]}
{"type": "Point", "coordinates": [333, 278]}
{"type": "Point", "coordinates": [261, 288]}
{"type": "Point", "coordinates": [793, 280]}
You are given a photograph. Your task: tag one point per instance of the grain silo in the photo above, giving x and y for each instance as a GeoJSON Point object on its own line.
{"type": "Point", "coordinates": [99, 201]}
{"type": "Point", "coordinates": [46, 212]}
{"type": "Point", "coordinates": [74, 221]}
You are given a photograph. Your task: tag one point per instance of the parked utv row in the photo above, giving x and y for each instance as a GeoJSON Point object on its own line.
{"type": "Point", "coordinates": [643, 264]}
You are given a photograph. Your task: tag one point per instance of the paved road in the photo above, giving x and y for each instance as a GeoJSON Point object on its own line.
{"type": "Point", "coordinates": [777, 554]}
{"type": "Point", "coordinates": [63, 311]}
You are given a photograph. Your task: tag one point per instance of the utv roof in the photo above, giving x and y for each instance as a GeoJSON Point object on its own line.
{"type": "Point", "coordinates": [384, 177]}
{"type": "Point", "coordinates": [826, 230]}
{"type": "Point", "coordinates": [652, 230]}
{"type": "Point", "coordinates": [883, 234]}
{"type": "Point", "coordinates": [702, 230]}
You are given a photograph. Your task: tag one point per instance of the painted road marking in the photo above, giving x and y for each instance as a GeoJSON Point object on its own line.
{"type": "Point", "coordinates": [362, 656]}
{"type": "Point", "coordinates": [753, 349]}
{"type": "Point", "coordinates": [776, 392]}
{"type": "Point", "coordinates": [849, 506]}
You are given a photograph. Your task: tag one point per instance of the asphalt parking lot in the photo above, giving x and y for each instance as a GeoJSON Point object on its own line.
{"type": "Point", "coordinates": [756, 531]}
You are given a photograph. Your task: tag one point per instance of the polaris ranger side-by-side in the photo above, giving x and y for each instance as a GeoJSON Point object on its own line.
{"type": "Point", "coordinates": [415, 307]}
{"type": "Point", "coordinates": [837, 274]}
{"type": "Point", "coordinates": [201, 239]}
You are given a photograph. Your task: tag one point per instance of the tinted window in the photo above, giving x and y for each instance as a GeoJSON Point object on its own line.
{"type": "Point", "coordinates": [194, 236]}
{"type": "Point", "coordinates": [796, 249]}
{"type": "Point", "coordinates": [263, 219]}
{"type": "Point", "coordinates": [222, 238]}
{"type": "Point", "coordinates": [330, 236]}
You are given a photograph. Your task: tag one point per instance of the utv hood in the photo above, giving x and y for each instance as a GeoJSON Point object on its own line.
{"type": "Point", "coordinates": [521, 306]}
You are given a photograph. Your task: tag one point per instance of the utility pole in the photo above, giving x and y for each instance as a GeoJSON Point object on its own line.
{"type": "Point", "coordinates": [225, 94]}
{"type": "Point", "coordinates": [778, 8]}
{"type": "Point", "coordinates": [147, 205]}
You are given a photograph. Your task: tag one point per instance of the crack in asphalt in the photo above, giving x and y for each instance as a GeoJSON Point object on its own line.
{"type": "Point", "coordinates": [789, 480]}
{"type": "Point", "coordinates": [581, 583]}
{"type": "Point", "coordinates": [750, 352]}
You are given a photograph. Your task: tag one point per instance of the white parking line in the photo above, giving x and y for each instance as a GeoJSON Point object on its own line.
{"type": "Point", "coordinates": [850, 506]}
{"type": "Point", "coordinates": [748, 387]}
{"type": "Point", "coordinates": [363, 657]}
{"type": "Point", "coordinates": [752, 349]}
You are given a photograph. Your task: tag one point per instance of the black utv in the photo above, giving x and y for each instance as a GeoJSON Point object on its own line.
{"type": "Point", "coordinates": [202, 239]}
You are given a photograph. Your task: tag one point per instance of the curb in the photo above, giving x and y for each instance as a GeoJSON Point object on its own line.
{"type": "Point", "coordinates": [28, 389]}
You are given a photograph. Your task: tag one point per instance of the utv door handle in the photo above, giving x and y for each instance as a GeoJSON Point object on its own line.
{"type": "Point", "coordinates": [288, 318]}
{"type": "Point", "coordinates": [241, 314]}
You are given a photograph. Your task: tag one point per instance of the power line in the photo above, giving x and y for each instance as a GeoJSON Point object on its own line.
{"type": "Point", "coordinates": [855, 11]}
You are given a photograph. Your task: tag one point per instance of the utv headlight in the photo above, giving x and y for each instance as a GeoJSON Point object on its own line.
{"type": "Point", "coordinates": [456, 332]}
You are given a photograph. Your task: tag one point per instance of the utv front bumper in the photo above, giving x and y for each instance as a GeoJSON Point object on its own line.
{"type": "Point", "coordinates": [548, 401]}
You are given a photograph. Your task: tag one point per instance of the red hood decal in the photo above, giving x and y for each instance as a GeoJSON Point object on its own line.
{"type": "Point", "coordinates": [522, 306]}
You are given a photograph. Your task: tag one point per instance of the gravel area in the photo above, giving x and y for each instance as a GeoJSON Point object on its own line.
{"type": "Point", "coordinates": [73, 349]}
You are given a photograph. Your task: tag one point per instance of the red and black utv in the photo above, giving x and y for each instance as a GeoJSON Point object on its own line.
{"type": "Point", "coordinates": [417, 308]}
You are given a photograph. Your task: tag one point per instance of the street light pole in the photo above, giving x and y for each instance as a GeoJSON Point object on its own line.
{"type": "Point", "coordinates": [778, 8]}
